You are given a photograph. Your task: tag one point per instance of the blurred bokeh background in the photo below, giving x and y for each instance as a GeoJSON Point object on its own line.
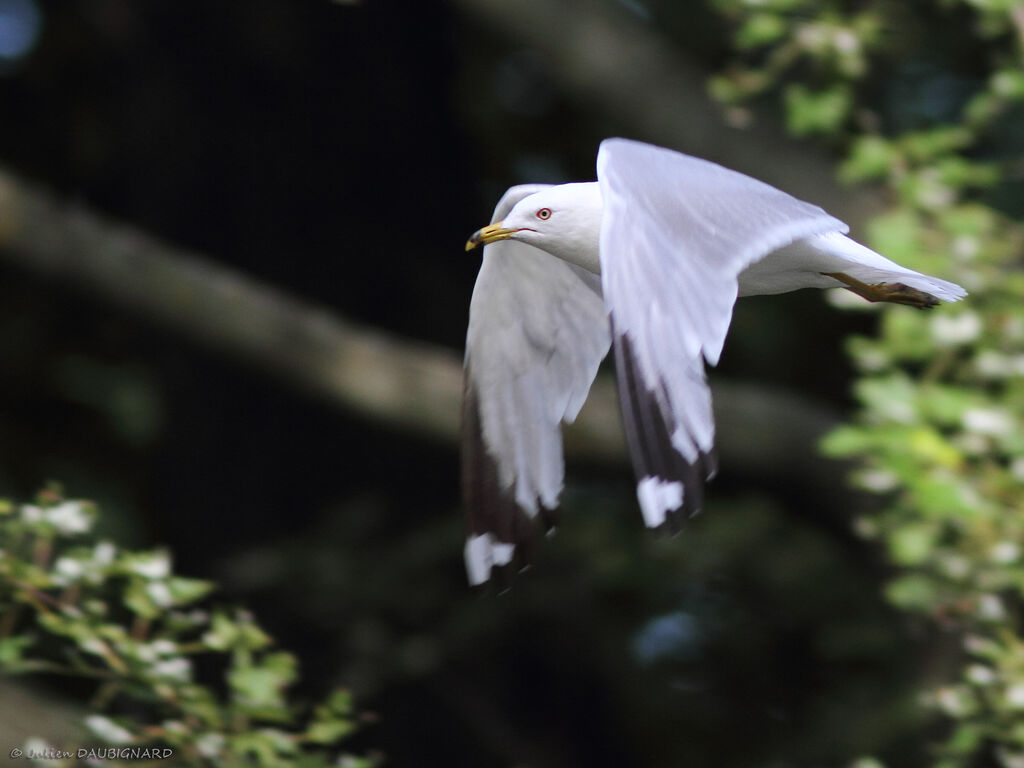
{"type": "Point", "coordinates": [340, 153]}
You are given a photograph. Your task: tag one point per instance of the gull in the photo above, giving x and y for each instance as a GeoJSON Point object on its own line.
{"type": "Point", "coordinates": [647, 260]}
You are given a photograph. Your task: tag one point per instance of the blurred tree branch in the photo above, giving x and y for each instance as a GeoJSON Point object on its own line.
{"type": "Point", "coordinates": [404, 384]}
{"type": "Point", "coordinates": [409, 384]}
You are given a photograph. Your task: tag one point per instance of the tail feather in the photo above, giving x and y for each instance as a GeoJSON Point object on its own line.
{"type": "Point", "coordinates": [871, 267]}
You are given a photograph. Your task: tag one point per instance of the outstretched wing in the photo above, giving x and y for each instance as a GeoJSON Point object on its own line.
{"type": "Point", "coordinates": [538, 330]}
{"type": "Point", "coordinates": [676, 231]}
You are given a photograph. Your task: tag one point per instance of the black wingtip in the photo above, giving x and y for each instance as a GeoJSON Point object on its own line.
{"type": "Point", "coordinates": [670, 489]}
{"type": "Point", "coordinates": [501, 535]}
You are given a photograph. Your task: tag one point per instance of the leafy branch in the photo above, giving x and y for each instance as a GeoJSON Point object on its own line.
{"type": "Point", "coordinates": [939, 433]}
{"type": "Point", "coordinates": [76, 606]}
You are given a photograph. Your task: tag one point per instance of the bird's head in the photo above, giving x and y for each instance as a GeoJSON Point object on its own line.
{"type": "Point", "coordinates": [565, 221]}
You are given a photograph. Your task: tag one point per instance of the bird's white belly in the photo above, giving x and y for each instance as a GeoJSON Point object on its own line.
{"type": "Point", "coordinates": [796, 266]}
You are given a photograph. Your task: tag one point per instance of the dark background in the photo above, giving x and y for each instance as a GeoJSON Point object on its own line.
{"type": "Point", "coordinates": [343, 152]}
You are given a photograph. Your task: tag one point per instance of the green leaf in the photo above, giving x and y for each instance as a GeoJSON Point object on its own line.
{"type": "Point", "coordinates": [809, 112]}
{"type": "Point", "coordinates": [897, 233]}
{"type": "Point", "coordinates": [965, 739]}
{"type": "Point", "coordinates": [930, 447]}
{"type": "Point", "coordinates": [912, 544]}
{"type": "Point", "coordinates": [332, 719]}
{"type": "Point", "coordinates": [945, 405]}
{"type": "Point", "coordinates": [235, 632]}
{"type": "Point", "coordinates": [138, 599]}
{"type": "Point", "coordinates": [847, 440]}
{"type": "Point", "coordinates": [892, 398]}
{"type": "Point", "coordinates": [922, 146]}
{"type": "Point", "coordinates": [260, 685]}
{"type": "Point", "coordinates": [760, 29]}
{"type": "Point", "coordinates": [912, 592]}
{"type": "Point", "coordinates": [222, 634]}
{"type": "Point", "coordinates": [867, 762]}
{"type": "Point", "coordinates": [329, 732]}
{"type": "Point", "coordinates": [907, 334]}
{"type": "Point", "coordinates": [184, 591]}
{"type": "Point", "coordinates": [267, 746]}
{"type": "Point", "coordinates": [941, 494]}
{"type": "Point", "coordinates": [871, 157]}
{"type": "Point", "coordinates": [1008, 83]}
{"type": "Point", "coordinates": [982, 108]}
{"type": "Point", "coordinates": [969, 219]}
{"type": "Point", "coordinates": [12, 650]}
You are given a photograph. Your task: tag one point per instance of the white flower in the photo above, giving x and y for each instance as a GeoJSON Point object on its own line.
{"type": "Point", "coordinates": [1005, 552]}
{"type": "Point", "coordinates": [1003, 83]}
{"type": "Point", "coordinates": [994, 422]}
{"type": "Point", "coordinates": [210, 745]}
{"type": "Point", "coordinates": [1008, 759]}
{"type": "Point", "coordinates": [966, 246]}
{"type": "Point", "coordinates": [1013, 329]}
{"type": "Point", "coordinates": [43, 752]}
{"type": "Point", "coordinates": [164, 647]}
{"type": "Point", "coordinates": [950, 330]}
{"type": "Point", "coordinates": [160, 594]}
{"type": "Point", "coordinates": [865, 527]}
{"type": "Point", "coordinates": [108, 730]}
{"type": "Point", "coordinates": [1015, 696]}
{"type": "Point", "coordinates": [971, 443]}
{"type": "Point", "coordinates": [844, 299]}
{"type": "Point", "coordinates": [991, 607]}
{"type": "Point", "coordinates": [175, 726]}
{"type": "Point", "coordinates": [37, 746]}
{"type": "Point", "coordinates": [68, 569]}
{"type": "Point", "coordinates": [69, 517]}
{"type": "Point", "coordinates": [845, 41]}
{"type": "Point", "coordinates": [104, 553]}
{"type": "Point", "coordinates": [953, 700]}
{"type": "Point", "coordinates": [932, 192]}
{"type": "Point", "coordinates": [156, 565]}
{"type": "Point", "coordinates": [977, 644]}
{"type": "Point", "coordinates": [877, 480]}
{"type": "Point", "coordinates": [980, 674]}
{"type": "Point", "coordinates": [993, 365]}
{"type": "Point", "coordinates": [955, 567]}
{"type": "Point", "coordinates": [92, 645]}
{"type": "Point", "coordinates": [174, 669]}
{"type": "Point", "coordinates": [31, 514]}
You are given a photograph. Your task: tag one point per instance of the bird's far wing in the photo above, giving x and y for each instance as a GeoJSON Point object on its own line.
{"type": "Point", "coordinates": [676, 231]}
{"type": "Point", "coordinates": [538, 330]}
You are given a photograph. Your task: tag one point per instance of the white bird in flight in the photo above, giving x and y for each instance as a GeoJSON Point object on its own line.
{"type": "Point", "coordinates": [648, 259]}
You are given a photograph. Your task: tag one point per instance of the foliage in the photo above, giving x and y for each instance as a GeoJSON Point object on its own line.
{"type": "Point", "coordinates": [77, 606]}
{"type": "Point", "coordinates": [939, 433]}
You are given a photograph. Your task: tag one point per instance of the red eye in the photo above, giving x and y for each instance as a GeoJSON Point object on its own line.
{"type": "Point", "coordinates": [544, 214]}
